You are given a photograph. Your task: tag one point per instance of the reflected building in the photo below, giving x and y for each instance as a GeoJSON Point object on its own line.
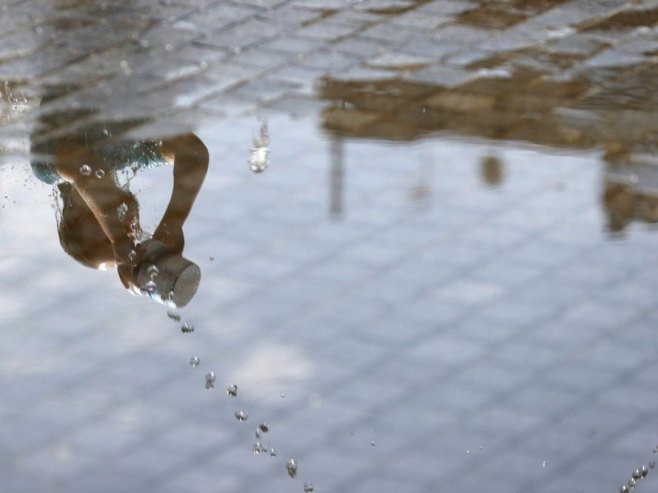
{"type": "Point", "coordinates": [608, 110]}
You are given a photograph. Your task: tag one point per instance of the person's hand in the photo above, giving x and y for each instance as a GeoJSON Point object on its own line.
{"type": "Point", "coordinates": [170, 236]}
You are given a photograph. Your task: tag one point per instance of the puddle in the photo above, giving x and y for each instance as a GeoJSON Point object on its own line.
{"type": "Point", "coordinates": [363, 241]}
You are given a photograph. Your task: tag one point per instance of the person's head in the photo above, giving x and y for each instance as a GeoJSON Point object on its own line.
{"type": "Point", "coordinates": [80, 234]}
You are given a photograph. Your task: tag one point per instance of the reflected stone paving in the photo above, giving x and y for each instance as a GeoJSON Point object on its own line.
{"type": "Point", "coordinates": [426, 240]}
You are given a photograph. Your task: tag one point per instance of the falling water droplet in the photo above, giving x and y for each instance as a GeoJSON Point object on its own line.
{"type": "Point", "coordinates": [644, 471]}
{"type": "Point", "coordinates": [210, 380]}
{"type": "Point", "coordinates": [257, 448]}
{"type": "Point", "coordinates": [260, 152]}
{"type": "Point", "coordinates": [263, 427]}
{"type": "Point", "coordinates": [652, 464]}
{"type": "Point", "coordinates": [257, 433]}
{"type": "Point", "coordinates": [174, 316]}
{"type": "Point", "coordinates": [624, 489]}
{"type": "Point", "coordinates": [308, 487]}
{"type": "Point", "coordinates": [636, 474]}
{"type": "Point", "coordinates": [187, 328]}
{"type": "Point", "coordinates": [194, 361]}
{"type": "Point", "coordinates": [372, 443]}
{"type": "Point", "coordinates": [291, 467]}
{"type": "Point", "coordinates": [100, 174]}
{"type": "Point", "coordinates": [631, 483]}
{"type": "Point", "coordinates": [212, 258]}
{"type": "Point", "coordinates": [85, 170]}
{"type": "Point", "coordinates": [152, 272]}
{"type": "Point", "coordinates": [273, 452]}
{"type": "Point", "coordinates": [543, 465]}
{"type": "Point", "coordinates": [241, 416]}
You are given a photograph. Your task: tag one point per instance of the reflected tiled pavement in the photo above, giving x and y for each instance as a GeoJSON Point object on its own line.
{"type": "Point", "coordinates": [469, 308]}
{"type": "Point", "coordinates": [493, 336]}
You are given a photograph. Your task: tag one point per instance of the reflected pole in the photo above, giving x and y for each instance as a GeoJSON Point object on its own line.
{"type": "Point", "coordinates": [337, 179]}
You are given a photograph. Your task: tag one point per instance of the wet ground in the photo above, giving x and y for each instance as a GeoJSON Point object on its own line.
{"type": "Point", "coordinates": [425, 239]}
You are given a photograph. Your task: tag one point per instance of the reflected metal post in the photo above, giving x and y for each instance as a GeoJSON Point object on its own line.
{"type": "Point", "coordinates": [336, 179]}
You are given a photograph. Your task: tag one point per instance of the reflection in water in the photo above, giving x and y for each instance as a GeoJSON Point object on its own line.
{"type": "Point", "coordinates": [337, 179]}
{"type": "Point", "coordinates": [630, 193]}
{"type": "Point", "coordinates": [412, 291]}
{"type": "Point", "coordinates": [421, 188]}
{"type": "Point", "coordinates": [259, 158]}
{"type": "Point", "coordinates": [98, 220]}
{"type": "Point", "coordinates": [575, 114]}
{"type": "Point", "coordinates": [492, 171]}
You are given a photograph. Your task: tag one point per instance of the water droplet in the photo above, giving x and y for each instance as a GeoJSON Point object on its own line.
{"type": "Point", "coordinates": [468, 452]}
{"type": "Point", "coordinates": [263, 427]}
{"type": "Point", "coordinates": [308, 487]}
{"type": "Point", "coordinates": [100, 174]}
{"type": "Point", "coordinates": [257, 433]}
{"type": "Point", "coordinates": [291, 467]}
{"type": "Point", "coordinates": [194, 361]}
{"type": "Point", "coordinates": [624, 489]}
{"type": "Point", "coordinates": [273, 452]}
{"type": "Point", "coordinates": [174, 316]}
{"type": "Point", "coordinates": [283, 396]}
{"type": "Point", "coordinates": [232, 390]}
{"type": "Point", "coordinates": [636, 474]}
{"type": "Point", "coordinates": [241, 416]}
{"type": "Point", "coordinates": [372, 443]}
{"type": "Point", "coordinates": [258, 448]}
{"type": "Point", "coordinates": [212, 258]}
{"type": "Point", "coordinates": [210, 380]}
{"type": "Point", "coordinates": [187, 328]}
{"type": "Point", "coordinates": [631, 483]}
{"type": "Point", "coordinates": [85, 170]}
{"type": "Point", "coordinates": [260, 152]}
{"type": "Point", "coordinates": [652, 464]}
{"type": "Point", "coordinates": [644, 471]}
{"type": "Point", "coordinates": [122, 210]}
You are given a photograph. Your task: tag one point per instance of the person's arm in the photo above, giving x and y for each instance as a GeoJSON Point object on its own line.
{"type": "Point", "coordinates": [99, 191]}
{"type": "Point", "coordinates": [190, 158]}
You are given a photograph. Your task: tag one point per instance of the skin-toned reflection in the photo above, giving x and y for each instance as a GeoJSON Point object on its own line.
{"type": "Point", "coordinates": [98, 224]}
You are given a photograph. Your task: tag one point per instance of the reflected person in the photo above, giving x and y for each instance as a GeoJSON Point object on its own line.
{"type": "Point", "coordinates": [98, 224]}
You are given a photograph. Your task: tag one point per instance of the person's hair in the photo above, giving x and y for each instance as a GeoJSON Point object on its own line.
{"type": "Point", "coordinates": [80, 234]}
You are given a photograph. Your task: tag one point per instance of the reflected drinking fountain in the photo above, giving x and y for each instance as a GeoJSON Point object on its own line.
{"type": "Point", "coordinates": [165, 276]}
